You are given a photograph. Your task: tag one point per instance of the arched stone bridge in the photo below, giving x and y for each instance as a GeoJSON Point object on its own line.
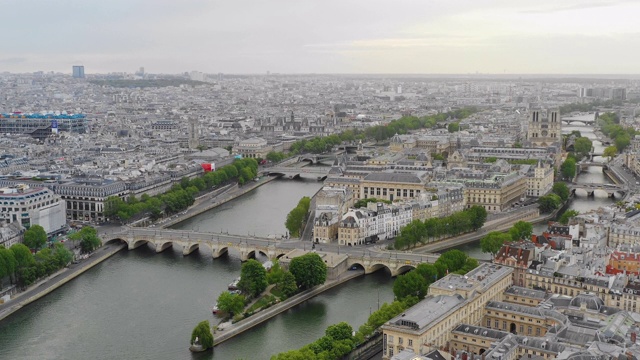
{"type": "Point", "coordinates": [611, 189]}
{"type": "Point", "coordinates": [369, 259]}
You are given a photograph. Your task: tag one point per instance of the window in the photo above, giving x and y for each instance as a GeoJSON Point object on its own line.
{"type": "Point", "coordinates": [410, 342]}
{"type": "Point", "coordinates": [529, 330]}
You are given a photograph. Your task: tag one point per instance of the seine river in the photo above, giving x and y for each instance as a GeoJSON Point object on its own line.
{"type": "Point", "coordinates": [143, 305]}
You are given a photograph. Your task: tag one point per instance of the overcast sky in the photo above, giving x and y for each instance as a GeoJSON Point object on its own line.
{"type": "Point", "coordinates": [322, 36]}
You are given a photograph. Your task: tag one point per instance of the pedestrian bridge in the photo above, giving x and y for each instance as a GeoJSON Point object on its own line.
{"type": "Point", "coordinates": [370, 260]}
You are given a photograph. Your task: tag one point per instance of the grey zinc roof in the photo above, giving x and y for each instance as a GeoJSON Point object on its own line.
{"type": "Point", "coordinates": [394, 177]}
{"type": "Point", "coordinates": [427, 311]}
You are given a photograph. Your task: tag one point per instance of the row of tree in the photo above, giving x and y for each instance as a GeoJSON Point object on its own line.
{"type": "Point", "coordinates": [610, 126]}
{"type": "Point", "coordinates": [23, 267]}
{"type": "Point", "coordinates": [182, 194]}
{"type": "Point", "coordinates": [421, 232]}
{"type": "Point", "coordinates": [297, 216]}
{"type": "Point", "coordinates": [402, 125]}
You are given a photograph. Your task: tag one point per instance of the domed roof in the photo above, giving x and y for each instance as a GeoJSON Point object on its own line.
{"type": "Point", "coordinates": [592, 301]}
{"type": "Point", "coordinates": [396, 139]}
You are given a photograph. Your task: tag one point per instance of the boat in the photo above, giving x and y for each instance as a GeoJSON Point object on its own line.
{"type": "Point", "coordinates": [215, 310]}
{"type": "Point", "coordinates": [234, 284]}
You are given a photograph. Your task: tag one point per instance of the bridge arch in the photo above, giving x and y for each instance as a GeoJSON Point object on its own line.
{"type": "Point", "coordinates": [115, 241]}
{"type": "Point", "coordinates": [217, 252]}
{"type": "Point", "coordinates": [137, 243]}
{"type": "Point", "coordinates": [162, 246]}
{"type": "Point", "coordinates": [375, 267]}
{"type": "Point", "coordinates": [356, 266]}
{"type": "Point", "coordinates": [253, 253]}
{"type": "Point", "coordinates": [404, 269]}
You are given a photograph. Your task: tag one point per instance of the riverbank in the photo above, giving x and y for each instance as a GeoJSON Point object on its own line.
{"type": "Point", "coordinates": [264, 315]}
{"type": "Point", "coordinates": [502, 224]}
{"type": "Point", "coordinates": [206, 203]}
{"type": "Point", "coordinates": [56, 280]}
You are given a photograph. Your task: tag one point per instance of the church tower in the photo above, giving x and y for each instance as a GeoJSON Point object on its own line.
{"type": "Point", "coordinates": [544, 129]}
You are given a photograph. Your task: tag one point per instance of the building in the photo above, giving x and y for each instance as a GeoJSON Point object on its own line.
{"type": "Point", "coordinates": [78, 71]}
{"type": "Point", "coordinates": [539, 179]}
{"type": "Point", "coordinates": [452, 300]}
{"type": "Point", "coordinates": [545, 128]}
{"type": "Point", "coordinates": [253, 148]}
{"type": "Point", "coordinates": [494, 191]}
{"type": "Point", "coordinates": [18, 123]}
{"type": "Point", "coordinates": [32, 206]}
{"type": "Point", "coordinates": [85, 199]}
{"type": "Point", "coordinates": [519, 256]}
{"type": "Point", "coordinates": [392, 186]}
{"type": "Point", "coordinates": [623, 263]}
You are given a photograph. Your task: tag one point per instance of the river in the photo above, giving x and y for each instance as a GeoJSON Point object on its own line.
{"type": "Point", "coordinates": [143, 305]}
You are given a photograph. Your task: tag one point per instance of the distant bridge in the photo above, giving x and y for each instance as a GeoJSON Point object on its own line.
{"type": "Point", "coordinates": [319, 173]}
{"type": "Point", "coordinates": [317, 158]}
{"type": "Point", "coordinates": [583, 120]}
{"type": "Point", "coordinates": [369, 259]}
{"type": "Point", "coordinates": [583, 165]}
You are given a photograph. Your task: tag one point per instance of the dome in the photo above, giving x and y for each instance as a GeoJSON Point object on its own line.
{"type": "Point", "coordinates": [592, 301]}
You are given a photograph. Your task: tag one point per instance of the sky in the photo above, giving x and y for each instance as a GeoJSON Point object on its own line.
{"type": "Point", "coordinates": [322, 36]}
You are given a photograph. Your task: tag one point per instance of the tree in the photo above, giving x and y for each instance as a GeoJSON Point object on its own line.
{"type": "Point", "coordinates": [478, 216]}
{"type": "Point", "coordinates": [493, 241]}
{"type": "Point", "coordinates": [622, 141]}
{"type": "Point", "coordinates": [22, 254]}
{"type": "Point", "coordinates": [275, 276]}
{"type": "Point", "coordinates": [8, 263]}
{"type": "Point", "coordinates": [35, 237]}
{"type": "Point", "coordinates": [568, 169]}
{"type": "Point", "coordinates": [550, 202]}
{"type": "Point", "coordinates": [231, 303]}
{"type": "Point", "coordinates": [561, 189]}
{"type": "Point", "coordinates": [309, 270]}
{"type": "Point", "coordinates": [583, 146]}
{"type": "Point", "coordinates": [564, 218]}
{"type": "Point", "coordinates": [410, 284]}
{"type": "Point", "coordinates": [253, 278]}
{"type": "Point", "coordinates": [202, 332]}
{"type": "Point", "coordinates": [428, 271]}
{"type": "Point", "coordinates": [521, 230]}
{"type": "Point", "coordinates": [453, 127]}
{"type": "Point", "coordinates": [62, 255]}
{"type": "Point", "coordinates": [296, 216]}
{"type": "Point", "coordinates": [610, 152]}
{"type": "Point", "coordinates": [288, 286]}
{"type": "Point", "coordinates": [452, 259]}
{"type": "Point", "coordinates": [88, 237]}
{"type": "Point", "coordinates": [340, 331]}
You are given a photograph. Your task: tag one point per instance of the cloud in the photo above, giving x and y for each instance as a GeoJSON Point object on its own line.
{"type": "Point", "coordinates": [13, 60]}
{"type": "Point", "coordinates": [578, 6]}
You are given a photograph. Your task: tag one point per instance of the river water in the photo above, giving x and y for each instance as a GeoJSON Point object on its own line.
{"type": "Point", "coordinates": [143, 305]}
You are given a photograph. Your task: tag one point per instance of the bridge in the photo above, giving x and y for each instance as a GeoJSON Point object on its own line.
{"type": "Point", "coordinates": [318, 158]}
{"type": "Point", "coordinates": [319, 173]}
{"type": "Point", "coordinates": [589, 119]}
{"type": "Point", "coordinates": [369, 259]}
{"type": "Point", "coordinates": [591, 188]}
{"type": "Point", "coordinates": [583, 165]}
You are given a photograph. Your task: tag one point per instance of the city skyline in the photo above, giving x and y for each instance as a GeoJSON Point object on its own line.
{"type": "Point", "coordinates": [373, 37]}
